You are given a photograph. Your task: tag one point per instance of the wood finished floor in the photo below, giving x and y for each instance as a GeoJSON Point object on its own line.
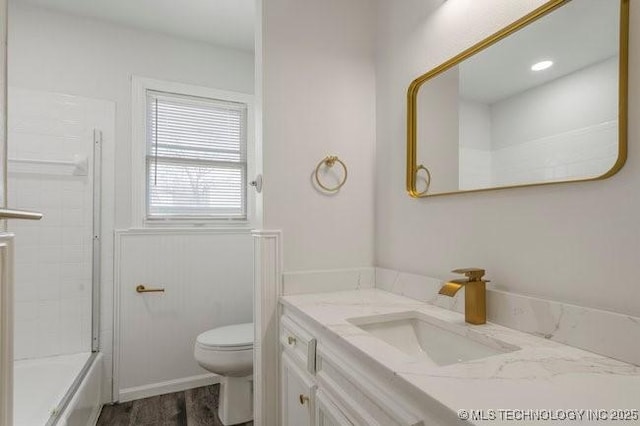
{"type": "Point", "coordinates": [194, 407]}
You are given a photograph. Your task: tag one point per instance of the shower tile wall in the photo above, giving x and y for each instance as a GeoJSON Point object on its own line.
{"type": "Point", "coordinates": [53, 256]}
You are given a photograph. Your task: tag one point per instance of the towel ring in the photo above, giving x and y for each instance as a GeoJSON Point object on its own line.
{"type": "Point", "coordinates": [427, 179]}
{"type": "Point", "coordinates": [329, 162]}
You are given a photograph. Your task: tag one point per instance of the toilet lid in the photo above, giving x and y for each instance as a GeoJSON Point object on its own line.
{"type": "Point", "coordinates": [232, 336]}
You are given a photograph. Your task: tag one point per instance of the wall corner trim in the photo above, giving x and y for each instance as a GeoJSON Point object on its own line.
{"type": "Point", "coordinates": [267, 281]}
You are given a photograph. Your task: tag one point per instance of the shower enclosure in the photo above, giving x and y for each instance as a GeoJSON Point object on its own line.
{"type": "Point", "coordinates": [54, 168]}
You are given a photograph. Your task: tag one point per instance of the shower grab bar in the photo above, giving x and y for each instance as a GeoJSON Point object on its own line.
{"type": "Point", "coordinates": [80, 163]}
{"type": "Point", "coordinates": [19, 214]}
{"type": "Point", "coordinates": [34, 161]}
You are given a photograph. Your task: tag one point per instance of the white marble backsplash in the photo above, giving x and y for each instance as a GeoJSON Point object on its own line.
{"type": "Point", "coordinates": [419, 287]}
{"type": "Point", "coordinates": [307, 282]}
{"type": "Point", "coordinates": [606, 333]}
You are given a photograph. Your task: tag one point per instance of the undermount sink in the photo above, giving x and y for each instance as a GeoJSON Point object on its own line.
{"type": "Point", "coordinates": [431, 340]}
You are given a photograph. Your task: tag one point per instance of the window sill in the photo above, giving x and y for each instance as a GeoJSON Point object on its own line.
{"type": "Point", "coordinates": [189, 230]}
{"type": "Point", "coordinates": [210, 224]}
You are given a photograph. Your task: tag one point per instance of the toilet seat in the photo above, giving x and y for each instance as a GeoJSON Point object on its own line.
{"type": "Point", "coordinates": [238, 337]}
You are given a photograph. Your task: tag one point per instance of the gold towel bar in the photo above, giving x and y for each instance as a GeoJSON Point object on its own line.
{"type": "Point", "coordinates": [143, 289]}
{"type": "Point", "coordinates": [329, 162]}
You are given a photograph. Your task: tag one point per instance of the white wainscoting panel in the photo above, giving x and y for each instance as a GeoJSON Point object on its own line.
{"type": "Point", "coordinates": [267, 291]}
{"type": "Point", "coordinates": [207, 277]}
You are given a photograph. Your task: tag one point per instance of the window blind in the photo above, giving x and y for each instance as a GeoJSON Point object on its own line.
{"type": "Point", "coordinates": [196, 158]}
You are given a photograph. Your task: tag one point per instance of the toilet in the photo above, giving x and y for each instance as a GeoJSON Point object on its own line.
{"type": "Point", "coordinates": [228, 352]}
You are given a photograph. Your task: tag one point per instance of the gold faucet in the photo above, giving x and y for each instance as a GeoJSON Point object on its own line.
{"type": "Point", "coordinates": [475, 301]}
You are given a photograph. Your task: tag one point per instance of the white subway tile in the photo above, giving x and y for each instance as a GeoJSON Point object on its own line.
{"type": "Point", "coordinates": [53, 256]}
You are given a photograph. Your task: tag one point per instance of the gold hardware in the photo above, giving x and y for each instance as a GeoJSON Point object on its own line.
{"type": "Point", "coordinates": [412, 168]}
{"type": "Point", "coordinates": [451, 288]}
{"type": "Point", "coordinates": [303, 399]}
{"type": "Point", "coordinates": [427, 179]}
{"type": "Point", "coordinates": [143, 289]}
{"type": "Point", "coordinates": [291, 340]}
{"type": "Point", "coordinates": [474, 274]}
{"type": "Point", "coordinates": [329, 162]}
{"type": "Point", "coordinates": [475, 293]}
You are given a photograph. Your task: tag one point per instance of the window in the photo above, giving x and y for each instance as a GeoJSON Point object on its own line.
{"type": "Point", "coordinates": [196, 157]}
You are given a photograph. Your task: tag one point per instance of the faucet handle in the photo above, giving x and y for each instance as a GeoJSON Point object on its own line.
{"type": "Point", "coordinates": [474, 274]}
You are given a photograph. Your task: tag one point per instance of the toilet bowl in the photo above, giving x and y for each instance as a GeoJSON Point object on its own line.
{"type": "Point", "coordinates": [228, 352]}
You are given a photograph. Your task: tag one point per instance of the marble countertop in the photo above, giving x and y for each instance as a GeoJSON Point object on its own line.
{"type": "Point", "coordinates": [542, 375]}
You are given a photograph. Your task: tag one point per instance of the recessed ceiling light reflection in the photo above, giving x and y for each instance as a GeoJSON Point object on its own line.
{"type": "Point", "coordinates": [542, 65]}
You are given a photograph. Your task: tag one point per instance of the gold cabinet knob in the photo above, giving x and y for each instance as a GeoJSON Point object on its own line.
{"type": "Point", "coordinates": [303, 399]}
{"type": "Point", "coordinates": [291, 340]}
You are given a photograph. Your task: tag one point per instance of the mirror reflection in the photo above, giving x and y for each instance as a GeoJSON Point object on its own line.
{"type": "Point", "coordinates": [539, 106]}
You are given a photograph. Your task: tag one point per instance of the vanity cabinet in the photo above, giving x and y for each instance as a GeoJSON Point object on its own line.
{"type": "Point", "coordinates": [298, 394]}
{"type": "Point", "coordinates": [298, 344]}
{"type": "Point", "coordinates": [328, 413]}
{"type": "Point", "coordinates": [321, 384]}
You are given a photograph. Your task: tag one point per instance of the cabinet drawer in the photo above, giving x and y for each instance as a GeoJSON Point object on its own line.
{"type": "Point", "coordinates": [298, 343]}
{"type": "Point", "coordinates": [363, 401]}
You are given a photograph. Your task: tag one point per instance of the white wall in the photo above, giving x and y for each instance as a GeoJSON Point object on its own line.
{"type": "Point", "coordinates": [437, 123]}
{"type": "Point", "coordinates": [62, 53]}
{"type": "Point", "coordinates": [475, 145]}
{"type": "Point", "coordinates": [576, 243]}
{"type": "Point", "coordinates": [475, 168]}
{"type": "Point", "coordinates": [578, 100]}
{"type": "Point", "coordinates": [319, 100]}
{"type": "Point", "coordinates": [577, 154]}
{"type": "Point", "coordinates": [565, 129]}
{"type": "Point", "coordinates": [475, 125]}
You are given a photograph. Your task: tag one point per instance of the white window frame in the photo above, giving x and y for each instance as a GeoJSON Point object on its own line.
{"type": "Point", "coordinates": [139, 87]}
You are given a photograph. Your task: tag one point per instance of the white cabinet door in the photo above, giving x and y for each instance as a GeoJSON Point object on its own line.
{"type": "Point", "coordinates": [328, 413]}
{"type": "Point", "coordinates": [298, 394]}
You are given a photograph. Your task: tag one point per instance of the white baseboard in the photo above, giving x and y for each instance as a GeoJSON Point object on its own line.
{"type": "Point", "coordinates": [129, 394]}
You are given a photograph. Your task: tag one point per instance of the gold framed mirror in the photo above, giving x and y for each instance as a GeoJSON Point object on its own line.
{"type": "Point", "coordinates": [542, 101]}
